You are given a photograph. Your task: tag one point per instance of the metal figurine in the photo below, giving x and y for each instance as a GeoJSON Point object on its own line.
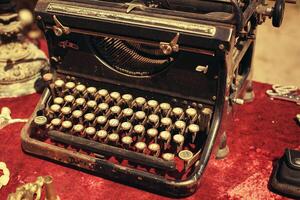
{"type": "Point", "coordinates": [20, 60]}
{"type": "Point", "coordinates": [33, 190]}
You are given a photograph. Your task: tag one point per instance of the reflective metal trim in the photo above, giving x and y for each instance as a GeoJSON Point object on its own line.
{"type": "Point", "coordinates": [132, 19]}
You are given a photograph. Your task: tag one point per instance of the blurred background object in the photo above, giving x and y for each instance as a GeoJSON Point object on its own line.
{"type": "Point", "coordinates": [21, 61]}
{"type": "Point", "coordinates": [277, 56]}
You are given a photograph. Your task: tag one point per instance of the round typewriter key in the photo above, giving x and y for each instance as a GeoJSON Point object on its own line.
{"type": "Point", "coordinates": [177, 112]}
{"type": "Point", "coordinates": [166, 122]}
{"type": "Point", "coordinates": [58, 101]}
{"type": "Point", "coordinates": [102, 107]}
{"type": "Point", "coordinates": [165, 108]}
{"type": "Point", "coordinates": [113, 138]}
{"type": "Point", "coordinates": [140, 147]}
{"type": "Point", "coordinates": [154, 149]}
{"type": "Point", "coordinates": [70, 85]}
{"type": "Point", "coordinates": [66, 111]}
{"type": "Point", "coordinates": [80, 102]}
{"type": "Point", "coordinates": [101, 120]}
{"type": "Point", "coordinates": [55, 123]}
{"type": "Point", "coordinates": [165, 137]}
{"type": "Point", "coordinates": [40, 120]}
{"type": "Point", "coordinates": [191, 113]}
{"type": "Point", "coordinates": [127, 98]}
{"type": "Point", "coordinates": [77, 129]}
{"type": "Point", "coordinates": [140, 101]}
{"type": "Point", "coordinates": [89, 118]}
{"type": "Point", "coordinates": [127, 141]}
{"type": "Point", "coordinates": [193, 129]}
{"type": "Point", "coordinates": [115, 96]}
{"type": "Point", "coordinates": [186, 156]}
{"type": "Point", "coordinates": [114, 123]}
{"type": "Point", "coordinates": [91, 104]}
{"type": "Point", "coordinates": [77, 114]}
{"type": "Point", "coordinates": [69, 99]}
{"type": "Point", "coordinates": [152, 134]}
{"type": "Point", "coordinates": [154, 120]}
{"type": "Point", "coordinates": [115, 110]}
{"type": "Point", "coordinates": [126, 126]}
{"type": "Point", "coordinates": [205, 118]}
{"type": "Point", "coordinates": [48, 77]}
{"type": "Point", "coordinates": [39, 127]}
{"type": "Point", "coordinates": [152, 104]}
{"type": "Point", "coordinates": [180, 126]}
{"type": "Point", "coordinates": [168, 156]}
{"type": "Point", "coordinates": [59, 83]}
{"type": "Point", "coordinates": [140, 115]}
{"type": "Point", "coordinates": [80, 88]}
{"type": "Point", "coordinates": [55, 108]}
{"type": "Point", "coordinates": [66, 125]}
{"type": "Point", "coordinates": [102, 134]}
{"type": "Point", "coordinates": [179, 140]}
{"type": "Point", "coordinates": [91, 90]}
{"type": "Point", "coordinates": [139, 130]}
{"type": "Point", "coordinates": [102, 93]}
{"type": "Point", "coordinates": [127, 113]}
{"type": "Point", "coordinates": [90, 132]}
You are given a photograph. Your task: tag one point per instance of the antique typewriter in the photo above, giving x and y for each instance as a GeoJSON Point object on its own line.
{"type": "Point", "coordinates": [138, 90]}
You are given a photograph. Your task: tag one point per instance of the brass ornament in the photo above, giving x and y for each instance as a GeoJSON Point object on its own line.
{"type": "Point", "coordinates": [33, 190]}
{"type": "Point", "coordinates": [20, 60]}
{"type": "Point", "coordinates": [4, 179]}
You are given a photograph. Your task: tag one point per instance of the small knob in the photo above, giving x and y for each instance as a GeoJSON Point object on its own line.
{"type": "Point", "coordinates": [238, 101]}
{"type": "Point", "coordinates": [278, 13]}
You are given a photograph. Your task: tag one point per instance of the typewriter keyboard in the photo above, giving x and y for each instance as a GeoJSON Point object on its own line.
{"type": "Point", "coordinates": [123, 127]}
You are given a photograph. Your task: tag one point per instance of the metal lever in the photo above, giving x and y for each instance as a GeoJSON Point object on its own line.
{"type": "Point", "coordinates": [60, 29]}
{"type": "Point", "coordinates": [170, 47]}
{"type": "Point", "coordinates": [134, 4]}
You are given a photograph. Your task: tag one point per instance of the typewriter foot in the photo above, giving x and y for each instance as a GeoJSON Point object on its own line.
{"type": "Point", "coordinates": [249, 94]}
{"type": "Point", "coordinates": [223, 150]}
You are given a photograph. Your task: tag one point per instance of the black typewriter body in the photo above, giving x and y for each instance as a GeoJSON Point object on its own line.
{"type": "Point", "coordinates": [193, 58]}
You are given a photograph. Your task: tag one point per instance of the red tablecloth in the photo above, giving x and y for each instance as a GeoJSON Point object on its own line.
{"type": "Point", "coordinates": [263, 129]}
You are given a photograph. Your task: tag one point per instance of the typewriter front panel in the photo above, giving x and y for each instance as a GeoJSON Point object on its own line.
{"type": "Point", "coordinates": [134, 101]}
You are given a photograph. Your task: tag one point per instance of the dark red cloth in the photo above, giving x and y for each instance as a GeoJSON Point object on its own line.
{"type": "Point", "coordinates": [262, 130]}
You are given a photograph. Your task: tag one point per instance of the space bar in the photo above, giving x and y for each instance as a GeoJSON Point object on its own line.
{"type": "Point", "coordinates": [104, 149]}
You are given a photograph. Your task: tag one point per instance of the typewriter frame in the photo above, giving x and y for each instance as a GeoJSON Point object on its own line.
{"type": "Point", "coordinates": [231, 87]}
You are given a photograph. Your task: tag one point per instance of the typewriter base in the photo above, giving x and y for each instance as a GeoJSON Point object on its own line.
{"type": "Point", "coordinates": [107, 170]}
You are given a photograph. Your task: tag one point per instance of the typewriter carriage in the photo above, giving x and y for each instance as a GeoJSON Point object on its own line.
{"type": "Point", "coordinates": [213, 60]}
